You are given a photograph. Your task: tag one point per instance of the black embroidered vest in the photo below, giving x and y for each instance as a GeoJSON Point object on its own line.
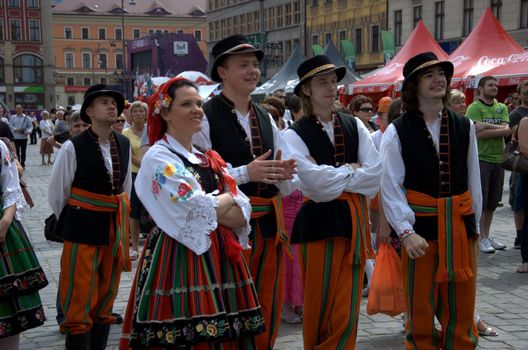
{"type": "Point", "coordinates": [319, 221]}
{"type": "Point", "coordinates": [427, 173]}
{"type": "Point", "coordinates": [229, 139]}
{"type": "Point", "coordinates": [82, 225]}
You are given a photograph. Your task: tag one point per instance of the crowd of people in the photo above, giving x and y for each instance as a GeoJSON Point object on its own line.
{"type": "Point", "coordinates": [257, 212]}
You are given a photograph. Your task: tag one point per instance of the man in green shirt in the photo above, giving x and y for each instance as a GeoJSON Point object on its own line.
{"type": "Point", "coordinates": [491, 120]}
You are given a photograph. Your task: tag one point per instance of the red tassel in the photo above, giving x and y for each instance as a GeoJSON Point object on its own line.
{"type": "Point", "coordinates": [233, 248]}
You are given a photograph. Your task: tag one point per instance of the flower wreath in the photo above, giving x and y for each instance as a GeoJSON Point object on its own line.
{"type": "Point", "coordinates": [164, 101]}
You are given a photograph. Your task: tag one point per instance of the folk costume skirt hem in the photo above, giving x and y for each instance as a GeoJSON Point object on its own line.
{"type": "Point", "coordinates": [180, 299]}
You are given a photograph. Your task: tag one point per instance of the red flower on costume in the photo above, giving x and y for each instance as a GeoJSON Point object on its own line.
{"type": "Point", "coordinates": [183, 189]}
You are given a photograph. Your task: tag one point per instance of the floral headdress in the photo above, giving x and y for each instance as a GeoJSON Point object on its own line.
{"type": "Point", "coordinates": [159, 100]}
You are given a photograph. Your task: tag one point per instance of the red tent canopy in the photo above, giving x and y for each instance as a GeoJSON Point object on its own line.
{"type": "Point", "coordinates": [487, 46]}
{"type": "Point", "coordinates": [386, 77]}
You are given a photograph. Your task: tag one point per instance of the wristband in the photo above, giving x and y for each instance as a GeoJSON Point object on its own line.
{"type": "Point", "coordinates": [405, 234]}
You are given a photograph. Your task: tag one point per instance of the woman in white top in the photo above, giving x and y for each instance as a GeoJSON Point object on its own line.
{"type": "Point", "coordinates": [192, 285]}
{"type": "Point", "coordinates": [46, 128]}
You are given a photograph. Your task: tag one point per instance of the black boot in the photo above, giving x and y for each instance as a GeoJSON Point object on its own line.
{"type": "Point", "coordinates": [99, 336]}
{"type": "Point", "coordinates": [77, 341]}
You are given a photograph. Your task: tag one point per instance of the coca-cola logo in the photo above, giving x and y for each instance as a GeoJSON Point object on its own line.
{"type": "Point", "coordinates": [499, 61]}
{"type": "Point", "coordinates": [388, 69]}
{"type": "Point", "coordinates": [458, 60]}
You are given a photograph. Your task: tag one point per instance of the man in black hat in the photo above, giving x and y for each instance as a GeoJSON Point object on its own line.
{"type": "Point", "coordinates": [430, 190]}
{"type": "Point", "coordinates": [338, 167]}
{"type": "Point", "coordinates": [88, 192]}
{"type": "Point", "coordinates": [245, 135]}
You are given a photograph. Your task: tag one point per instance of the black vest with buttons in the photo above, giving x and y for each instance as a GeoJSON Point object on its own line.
{"type": "Point", "coordinates": [324, 220]}
{"type": "Point", "coordinates": [229, 139]}
{"type": "Point", "coordinates": [85, 226]}
{"type": "Point", "coordinates": [425, 172]}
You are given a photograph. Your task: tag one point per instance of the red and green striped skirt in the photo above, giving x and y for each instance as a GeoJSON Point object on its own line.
{"type": "Point", "coordinates": [21, 277]}
{"type": "Point", "coordinates": [180, 299]}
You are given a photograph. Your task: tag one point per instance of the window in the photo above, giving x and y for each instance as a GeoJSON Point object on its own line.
{"type": "Point", "coordinates": [271, 18]}
{"type": "Point", "coordinates": [30, 101]}
{"type": "Point", "coordinates": [69, 59]}
{"type": "Point", "coordinates": [118, 33]}
{"type": "Point", "coordinates": [102, 33]}
{"type": "Point", "coordinates": [102, 81]}
{"type": "Point", "coordinates": [87, 60]}
{"type": "Point", "coordinates": [417, 15]}
{"type": "Point", "coordinates": [87, 81]}
{"type": "Point", "coordinates": [137, 33]}
{"type": "Point", "coordinates": [13, 3]}
{"type": "Point", "coordinates": [68, 33]}
{"type": "Point", "coordinates": [28, 69]}
{"type": "Point", "coordinates": [103, 61]}
{"type": "Point", "coordinates": [287, 14]}
{"type": "Point", "coordinates": [280, 17]}
{"type": "Point", "coordinates": [198, 35]}
{"type": "Point", "coordinates": [14, 25]}
{"type": "Point", "coordinates": [358, 36]}
{"type": "Point", "coordinates": [439, 20]}
{"type": "Point", "coordinates": [1, 29]}
{"type": "Point", "coordinates": [328, 38]}
{"type": "Point", "coordinates": [84, 33]}
{"type": "Point", "coordinates": [151, 31]}
{"type": "Point", "coordinates": [467, 20]}
{"type": "Point", "coordinates": [374, 39]}
{"type": "Point", "coordinates": [70, 81]}
{"type": "Point", "coordinates": [524, 14]}
{"type": "Point", "coordinates": [119, 60]}
{"type": "Point", "coordinates": [314, 3]}
{"type": "Point", "coordinates": [2, 80]}
{"type": "Point", "coordinates": [296, 12]}
{"type": "Point", "coordinates": [179, 31]}
{"type": "Point", "coordinates": [33, 4]}
{"type": "Point", "coordinates": [71, 100]}
{"type": "Point", "coordinates": [496, 8]}
{"type": "Point", "coordinates": [315, 39]}
{"type": "Point", "coordinates": [397, 27]}
{"type": "Point", "coordinates": [342, 35]}
{"type": "Point", "coordinates": [34, 30]}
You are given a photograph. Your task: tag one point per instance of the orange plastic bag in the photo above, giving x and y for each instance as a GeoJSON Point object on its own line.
{"type": "Point", "coordinates": [386, 287]}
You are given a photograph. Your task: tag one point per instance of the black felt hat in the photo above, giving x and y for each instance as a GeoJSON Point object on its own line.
{"type": "Point", "coordinates": [316, 65]}
{"type": "Point", "coordinates": [95, 91]}
{"type": "Point", "coordinates": [425, 60]}
{"type": "Point", "coordinates": [232, 45]}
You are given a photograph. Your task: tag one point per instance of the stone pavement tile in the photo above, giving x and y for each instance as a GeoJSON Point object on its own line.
{"type": "Point", "coordinates": [502, 294]}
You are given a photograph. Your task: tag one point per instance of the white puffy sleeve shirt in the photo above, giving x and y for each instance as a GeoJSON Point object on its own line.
{"type": "Point", "coordinates": [397, 209]}
{"type": "Point", "coordinates": [11, 192]}
{"type": "Point", "coordinates": [240, 174]}
{"type": "Point", "coordinates": [176, 201]}
{"type": "Point", "coordinates": [324, 183]}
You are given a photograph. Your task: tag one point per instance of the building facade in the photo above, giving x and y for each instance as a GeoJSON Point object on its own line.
{"type": "Point", "coordinates": [281, 29]}
{"type": "Point", "coordinates": [26, 75]}
{"type": "Point", "coordinates": [89, 37]}
{"type": "Point", "coordinates": [450, 21]}
{"type": "Point", "coordinates": [356, 23]}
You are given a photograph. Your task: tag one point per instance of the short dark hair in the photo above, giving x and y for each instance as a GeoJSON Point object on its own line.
{"type": "Point", "coordinates": [295, 104]}
{"type": "Point", "coordinates": [357, 101]}
{"type": "Point", "coordinates": [275, 102]}
{"type": "Point", "coordinates": [395, 110]}
{"type": "Point", "coordinates": [521, 85]}
{"type": "Point", "coordinates": [485, 79]}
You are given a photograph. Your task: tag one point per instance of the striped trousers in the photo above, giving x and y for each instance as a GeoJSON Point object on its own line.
{"type": "Point", "coordinates": [265, 262]}
{"type": "Point", "coordinates": [88, 285]}
{"type": "Point", "coordinates": [332, 294]}
{"type": "Point", "coordinates": [453, 303]}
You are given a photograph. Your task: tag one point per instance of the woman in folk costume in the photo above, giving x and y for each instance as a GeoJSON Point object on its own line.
{"type": "Point", "coordinates": [192, 288]}
{"type": "Point", "coordinates": [338, 168]}
{"type": "Point", "coordinates": [20, 273]}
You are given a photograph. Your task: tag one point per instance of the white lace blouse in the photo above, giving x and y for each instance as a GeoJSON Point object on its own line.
{"type": "Point", "coordinates": [175, 200]}
{"type": "Point", "coordinates": [11, 192]}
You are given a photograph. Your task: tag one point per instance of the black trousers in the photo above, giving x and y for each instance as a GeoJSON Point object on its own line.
{"type": "Point", "coordinates": [21, 146]}
{"type": "Point", "coordinates": [33, 136]}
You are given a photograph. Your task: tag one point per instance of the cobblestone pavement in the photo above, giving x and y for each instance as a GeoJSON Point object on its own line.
{"type": "Point", "coordinates": [502, 293]}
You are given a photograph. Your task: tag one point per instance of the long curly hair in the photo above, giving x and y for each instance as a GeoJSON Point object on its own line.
{"type": "Point", "coordinates": [409, 96]}
{"type": "Point", "coordinates": [156, 125]}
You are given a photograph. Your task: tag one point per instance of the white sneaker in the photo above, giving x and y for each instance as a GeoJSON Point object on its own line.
{"type": "Point", "coordinates": [485, 246]}
{"type": "Point", "coordinates": [496, 244]}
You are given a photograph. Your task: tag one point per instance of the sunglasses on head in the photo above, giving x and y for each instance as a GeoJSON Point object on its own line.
{"type": "Point", "coordinates": [366, 110]}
